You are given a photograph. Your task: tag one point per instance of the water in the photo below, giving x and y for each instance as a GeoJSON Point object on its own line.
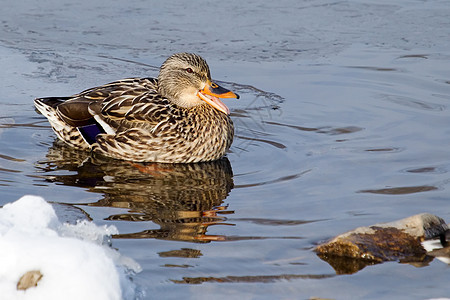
{"type": "Point", "coordinates": [343, 122]}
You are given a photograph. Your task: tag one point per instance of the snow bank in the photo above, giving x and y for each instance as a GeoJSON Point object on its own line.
{"type": "Point", "coordinates": [71, 258]}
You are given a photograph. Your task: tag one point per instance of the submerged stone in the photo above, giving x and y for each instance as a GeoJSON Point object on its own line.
{"type": "Point", "coordinates": [394, 241]}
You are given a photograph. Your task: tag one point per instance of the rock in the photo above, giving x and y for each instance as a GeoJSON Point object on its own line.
{"type": "Point", "coordinates": [439, 249]}
{"type": "Point", "coordinates": [29, 279]}
{"type": "Point", "coordinates": [442, 254]}
{"type": "Point", "coordinates": [394, 241]}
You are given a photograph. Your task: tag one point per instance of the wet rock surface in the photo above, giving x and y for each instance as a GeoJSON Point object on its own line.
{"type": "Point", "coordinates": [394, 241]}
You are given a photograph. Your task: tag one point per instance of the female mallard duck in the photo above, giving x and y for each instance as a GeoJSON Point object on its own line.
{"type": "Point", "coordinates": [176, 118]}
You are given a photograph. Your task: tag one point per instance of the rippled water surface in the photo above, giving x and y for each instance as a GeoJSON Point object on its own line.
{"type": "Point", "coordinates": [343, 122]}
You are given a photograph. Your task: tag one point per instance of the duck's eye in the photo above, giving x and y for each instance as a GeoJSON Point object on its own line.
{"type": "Point", "coordinates": [189, 70]}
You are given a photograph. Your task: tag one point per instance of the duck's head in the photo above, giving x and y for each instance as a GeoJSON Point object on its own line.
{"type": "Point", "coordinates": [185, 80]}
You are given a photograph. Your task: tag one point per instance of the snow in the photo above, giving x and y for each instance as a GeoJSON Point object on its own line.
{"type": "Point", "coordinates": [73, 259]}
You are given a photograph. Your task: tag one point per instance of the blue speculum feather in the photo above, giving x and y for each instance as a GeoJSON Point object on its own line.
{"type": "Point", "coordinates": [89, 132]}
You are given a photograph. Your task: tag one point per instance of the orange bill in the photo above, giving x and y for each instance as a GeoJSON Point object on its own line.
{"type": "Point", "coordinates": [211, 94]}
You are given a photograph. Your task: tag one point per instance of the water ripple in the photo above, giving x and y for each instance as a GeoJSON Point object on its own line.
{"type": "Point", "coordinates": [281, 179]}
{"type": "Point", "coordinates": [387, 149]}
{"type": "Point", "coordinates": [9, 170]}
{"type": "Point", "coordinates": [401, 190]}
{"type": "Point", "coordinates": [3, 156]}
{"type": "Point", "coordinates": [430, 170]}
{"type": "Point", "coordinates": [325, 129]}
{"type": "Point", "coordinates": [275, 144]}
{"type": "Point", "coordinates": [276, 222]}
{"type": "Point", "coordinates": [370, 68]}
{"type": "Point", "coordinates": [251, 279]}
{"type": "Point", "coordinates": [413, 103]}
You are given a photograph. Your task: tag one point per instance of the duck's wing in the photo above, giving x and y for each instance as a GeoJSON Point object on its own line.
{"type": "Point", "coordinates": [74, 110]}
{"type": "Point", "coordinates": [114, 110]}
{"type": "Point", "coordinates": [119, 105]}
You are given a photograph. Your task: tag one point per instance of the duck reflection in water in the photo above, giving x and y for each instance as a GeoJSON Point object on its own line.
{"type": "Point", "coordinates": [183, 199]}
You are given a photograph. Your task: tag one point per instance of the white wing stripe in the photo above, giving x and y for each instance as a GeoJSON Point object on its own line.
{"type": "Point", "coordinates": [108, 129]}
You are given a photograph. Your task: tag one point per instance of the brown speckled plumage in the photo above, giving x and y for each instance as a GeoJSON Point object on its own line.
{"type": "Point", "coordinates": [147, 119]}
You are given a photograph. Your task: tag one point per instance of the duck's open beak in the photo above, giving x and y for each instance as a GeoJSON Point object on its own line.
{"type": "Point", "coordinates": [211, 94]}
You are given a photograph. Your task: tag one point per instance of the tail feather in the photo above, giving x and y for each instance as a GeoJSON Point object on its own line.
{"type": "Point", "coordinates": [48, 109]}
{"type": "Point", "coordinates": [64, 131]}
{"type": "Point", "coordinates": [51, 101]}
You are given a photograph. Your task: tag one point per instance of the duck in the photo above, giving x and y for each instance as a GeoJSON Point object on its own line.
{"type": "Point", "coordinates": [177, 117]}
